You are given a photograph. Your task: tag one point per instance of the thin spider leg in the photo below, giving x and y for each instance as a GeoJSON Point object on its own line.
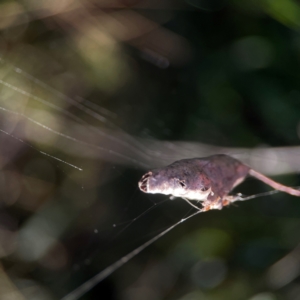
{"type": "Point", "coordinates": [190, 203]}
{"type": "Point", "coordinates": [233, 198]}
{"type": "Point", "coordinates": [240, 197]}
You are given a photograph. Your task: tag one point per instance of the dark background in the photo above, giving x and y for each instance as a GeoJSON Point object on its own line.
{"type": "Point", "coordinates": [116, 88]}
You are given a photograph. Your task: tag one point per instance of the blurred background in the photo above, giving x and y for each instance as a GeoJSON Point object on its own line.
{"type": "Point", "coordinates": [95, 93]}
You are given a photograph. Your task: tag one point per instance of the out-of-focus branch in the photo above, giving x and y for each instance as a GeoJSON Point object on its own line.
{"type": "Point", "coordinates": [117, 146]}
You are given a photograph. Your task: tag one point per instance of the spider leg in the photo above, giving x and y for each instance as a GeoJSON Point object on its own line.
{"type": "Point", "coordinates": [219, 203]}
{"type": "Point", "coordinates": [215, 204]}
{"type": "Point", "coordinates": [229, 199]}
{"type": "Point", "coordinates": [190, 203]}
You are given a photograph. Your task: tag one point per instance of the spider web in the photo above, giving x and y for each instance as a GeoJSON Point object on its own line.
{"type": "Point", "coordinates": [70, 175]}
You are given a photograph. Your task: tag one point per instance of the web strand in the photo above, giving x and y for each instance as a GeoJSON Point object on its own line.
{"type": "Point", "coordinates": [88, 285]}
{"type": "Point", "coordinates": [41, 152]}
{"type": "Point", "coordinates": [68, 137]}
{"type": "Point", "coordinates": [140, 151]}
{"type": "Point", "coordinates": [139, 147]}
